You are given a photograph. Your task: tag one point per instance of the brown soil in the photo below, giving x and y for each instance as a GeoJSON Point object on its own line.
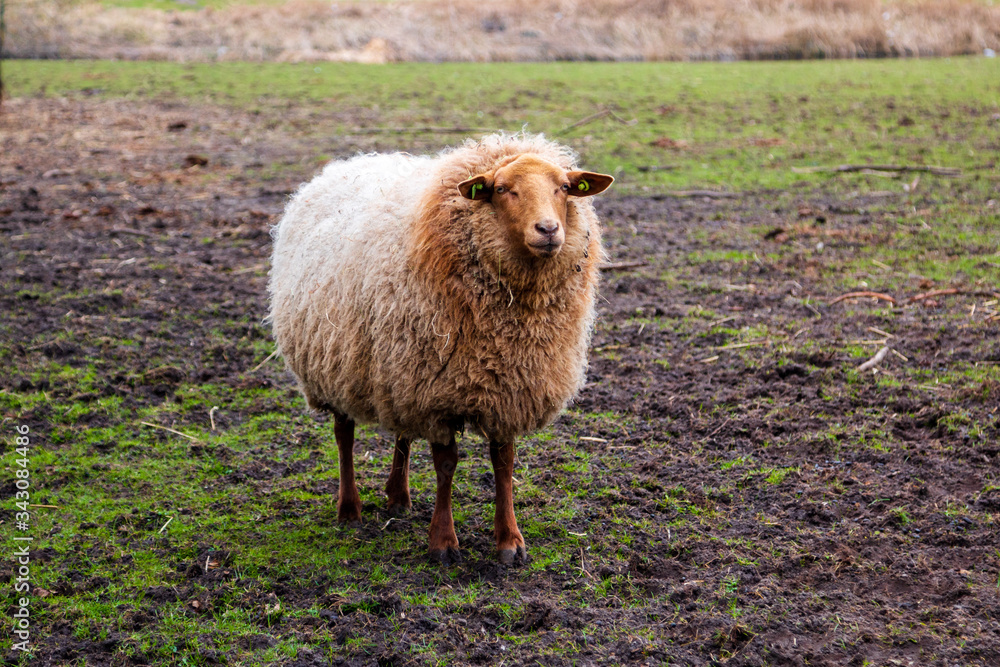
{"type": "Point", "coordinates": [836, 576]}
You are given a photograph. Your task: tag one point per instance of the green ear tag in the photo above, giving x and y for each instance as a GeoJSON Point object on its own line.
{"type": "Point", "coordinates": [473, 189]}
{"type": "Point", "coordinates": [584, 185]}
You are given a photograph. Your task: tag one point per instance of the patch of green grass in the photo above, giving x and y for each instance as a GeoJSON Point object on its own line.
{"type": "Point", "coordinates": [738, 461]}
{"type": "Point", "coordinates": [738, 126]}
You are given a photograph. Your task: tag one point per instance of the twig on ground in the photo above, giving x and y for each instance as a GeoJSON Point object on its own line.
{"type": "Point", "coordinates": [619, 266]}
{"type": "Point", "coordinates": [404, 130]}
{"type": "Point", "coordinates": [716, 431]}
{"type": "Point", "coordinates": [814, 309]}
{"type": "Point", "coordinates": [583, 565]}
{"type": "Point", "coordinates": [587, 438]}
{"type": "Point", "coordinates": [682, 194]}
{"type": "Point", "coordinates": [656, 167]}
{"type": "Point", "coordinates": [724, 319]}
{"type": "Point", "coordinates": [735, 346]}
{"type": "Point", "coordinates": [595, 116]}
{"type": "Point", "coordinates": [51, 507]}
{"type": "Point", "coordinates": [874, 361]}
{"type": "Point", "coordinates": [900, 355]}
{"type": "Point", "coordinates": [583, 121]}
{"type": "Point", "coordinates": [880, 332]}
{"type": "Point", "coordinates": [134, 232]}
{"type": "Point", "coordinates": [164, 526]}
{"type": "Point", "coordinates": [269, 357]}
{"type": "Point", "coordinates": [858, 295]}
{"type": "Point", "coordinates": [933, 293]}
{"type": "Point", "coordinates": [184, 435]}
{"type": "Point", "coordinates": [634, 121]}
{"type": "Point", "coordinates": [249, 269]}
{"type": "Point", "coordinates": [211, 415]}
{"type": "Point", "coordinates": [843, 168]}
{"type": "Point", "coordinates": [882, 174]}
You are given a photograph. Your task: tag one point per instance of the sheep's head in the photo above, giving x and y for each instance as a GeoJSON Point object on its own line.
{"type": "Point", "coordinates": [530, 196]}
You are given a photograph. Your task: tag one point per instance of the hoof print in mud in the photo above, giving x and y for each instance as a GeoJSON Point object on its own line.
{"type": "Point", "coordinates": [449, 556]}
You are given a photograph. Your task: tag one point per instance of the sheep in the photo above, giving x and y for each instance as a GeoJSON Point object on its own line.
{"type": "Point", "coordinates": [427, 294]}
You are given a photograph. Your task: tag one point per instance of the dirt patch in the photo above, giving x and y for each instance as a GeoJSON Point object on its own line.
{"type": "Point", "coordinates": [782, 508]}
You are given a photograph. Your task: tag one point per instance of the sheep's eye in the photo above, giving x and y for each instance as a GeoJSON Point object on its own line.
{"type": "Point", "coordinates": [565, 187]}
{"type": "Point", "coordinates": [499, 189]}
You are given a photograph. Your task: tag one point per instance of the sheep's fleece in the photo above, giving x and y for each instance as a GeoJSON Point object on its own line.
{"type": "Point", "coordinates": [396, 300]}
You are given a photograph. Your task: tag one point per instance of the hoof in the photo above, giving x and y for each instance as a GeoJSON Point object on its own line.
{"type": "Point", "coordinates": [516, 556]}
{"type": "Point", "coordinates": [349, 515]}
{"type": "Point", "coordinates": [449, 556]}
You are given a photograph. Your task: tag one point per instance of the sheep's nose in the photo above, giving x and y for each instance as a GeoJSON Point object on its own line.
{"type": "Point", "coordinates": [547, 227]}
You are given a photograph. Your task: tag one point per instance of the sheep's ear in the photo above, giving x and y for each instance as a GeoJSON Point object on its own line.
{"type": "Point", "coordinates": [586, 183]}
{"type": "Point", "coordinates": [476, 188]}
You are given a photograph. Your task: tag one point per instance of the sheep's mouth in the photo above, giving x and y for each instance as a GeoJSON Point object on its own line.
{"type": "Point", "coordinates": [547, 249]}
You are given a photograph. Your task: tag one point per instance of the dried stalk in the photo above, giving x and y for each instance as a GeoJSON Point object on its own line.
{"type": "Point", "coordinates": [874, 361]}
{"type": "Point", "coordinates": [843, 168]}
{"type": "Point", "coordinates": [858, 295]}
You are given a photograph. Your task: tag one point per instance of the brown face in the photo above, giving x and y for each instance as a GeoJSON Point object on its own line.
{"type": "Point", "coordinates": [530, 195]}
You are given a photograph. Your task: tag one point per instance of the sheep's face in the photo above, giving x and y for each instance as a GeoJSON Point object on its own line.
{"type": "Point", "coordinates": [530, 197]}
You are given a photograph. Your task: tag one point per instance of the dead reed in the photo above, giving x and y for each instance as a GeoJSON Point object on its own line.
{"type": "Point", "coordinates": [507, 30]}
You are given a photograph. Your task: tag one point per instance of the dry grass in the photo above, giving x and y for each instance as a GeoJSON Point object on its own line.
{"type": "Point", "coordinates": [507, 30]}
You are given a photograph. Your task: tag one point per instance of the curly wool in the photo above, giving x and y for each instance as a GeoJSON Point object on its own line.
{"type": "Point", "coordinates": [396, 300]}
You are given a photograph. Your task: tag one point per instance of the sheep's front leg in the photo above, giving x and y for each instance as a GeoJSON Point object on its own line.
{"type": "Point", "coordinates": [398, 487]}
{"type": "Point", "coordinates": [348, 500]}
{"type": "Point", "coordinates": [443, 541]}
{"type": "Point", "coordinates": [510, 543]}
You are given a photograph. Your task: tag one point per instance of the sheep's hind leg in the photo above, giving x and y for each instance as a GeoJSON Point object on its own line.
{"type": "Point", "coordinates": [510, 542]}
{"type": "Point", "coordinates": [397, 489]}
{"type": "Point", "coordinates": [348, 500]}
{"type": "Point", "coordinates": [443, 541]}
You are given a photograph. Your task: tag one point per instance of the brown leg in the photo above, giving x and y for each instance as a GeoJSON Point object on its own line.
{"type": "Point", "coordinates": [510, 543]}
{"type": "Point", "coordinates": [398, 486]}
{"type": "Point", "coordinates": [348, 502]}
{"type": "Point", "coordinates": [444, 542]}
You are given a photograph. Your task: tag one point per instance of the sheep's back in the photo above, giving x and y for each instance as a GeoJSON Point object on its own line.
{"type": "Point", "coordinates": [338, 255]}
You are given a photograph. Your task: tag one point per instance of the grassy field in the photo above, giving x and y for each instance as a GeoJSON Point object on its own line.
{"type": "Point", "coordinates": [736, 126]}
{"type": "Point", "coordinates": [697, 505]}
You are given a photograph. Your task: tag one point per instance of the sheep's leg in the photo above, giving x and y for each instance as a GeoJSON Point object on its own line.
{"type": "Point", "coordinates": [510, 543]}
{"type": "Point", "coordinates": [348, 501]}
{"type": "Point", "coordinates": [444, 542]}
{"type": "Point", "coordinates": [398, 486]}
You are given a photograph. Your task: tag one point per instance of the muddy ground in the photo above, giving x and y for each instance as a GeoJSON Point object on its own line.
{"type": "Point", "coordinates": [876, 544]}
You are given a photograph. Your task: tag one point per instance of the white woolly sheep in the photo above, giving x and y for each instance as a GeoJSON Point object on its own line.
{"type": "Point", "coordinates": [427, 293]}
